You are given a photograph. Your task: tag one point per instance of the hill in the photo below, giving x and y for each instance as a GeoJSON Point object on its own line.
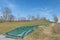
{"type": "Point", "coordinates": [7, 26]}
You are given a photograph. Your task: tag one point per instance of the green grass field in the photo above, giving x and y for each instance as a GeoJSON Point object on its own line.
{"type": "Point", "coordinates": [7, 26]}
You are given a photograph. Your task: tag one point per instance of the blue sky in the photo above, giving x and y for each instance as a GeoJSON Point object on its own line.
{"type": "Point", "coordinates": [44, 8]}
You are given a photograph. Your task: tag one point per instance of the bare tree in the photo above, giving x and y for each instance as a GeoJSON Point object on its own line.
{"type": "Point", "coordinates": [38, 17]}
{"type": "Point", "coordinates": [1, 19]}
{"type": "Point", "coordinates": [11, 18]}
{"type": "Point", "coordinates": [6, 13]}
{"type": "Point", "coordinates": [32, 17]}
{"type": "Point", "coordinates": [23, 19]}
{"type": "Point", "coordinates": [19, 19]}
{"type": "Point", "coordinates": [29, 17]}
{"type": "Point", "coordinates": [43, 18]}
{"type": "Point", "coordinates": [55, 18]}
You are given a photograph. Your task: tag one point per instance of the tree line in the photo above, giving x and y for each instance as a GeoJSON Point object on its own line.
{"type": "Point", "coordinates": [8, 17]}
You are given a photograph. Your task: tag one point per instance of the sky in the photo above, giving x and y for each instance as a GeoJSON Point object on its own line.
{"type": "Point", "coordinates": [23, 8]}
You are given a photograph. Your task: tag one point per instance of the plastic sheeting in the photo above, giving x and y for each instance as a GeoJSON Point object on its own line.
{"type": "Point", "coordinates": [20, 32]}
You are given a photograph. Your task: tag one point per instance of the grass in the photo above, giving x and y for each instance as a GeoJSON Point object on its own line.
{"type": "Point", "coordinates": [7, 26]}
{"type": "Point", "coordinates": [41, 34]}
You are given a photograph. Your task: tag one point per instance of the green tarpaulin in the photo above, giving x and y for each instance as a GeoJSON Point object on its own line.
{"type": "Point", "coordinates": [20, 32]}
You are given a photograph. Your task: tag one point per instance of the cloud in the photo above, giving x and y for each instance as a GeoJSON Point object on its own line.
{"type": "Point", "coordinates": [42, 11]}
{"type": "Point", "coordinates": [0, 8]}
{"type": "Point", "coordinates": [10, 5]}
{"type": "Point", "coordinates": [5, 1]}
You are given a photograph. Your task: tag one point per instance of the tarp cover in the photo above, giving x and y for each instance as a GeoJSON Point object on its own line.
{"type": "Point", "coordinates": [20, 32]}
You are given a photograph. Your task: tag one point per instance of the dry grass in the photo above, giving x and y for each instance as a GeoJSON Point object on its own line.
{"type": "Point", "coordinates": [43, 33]}
{"type": "Point", "coordinates": [7, 26]}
